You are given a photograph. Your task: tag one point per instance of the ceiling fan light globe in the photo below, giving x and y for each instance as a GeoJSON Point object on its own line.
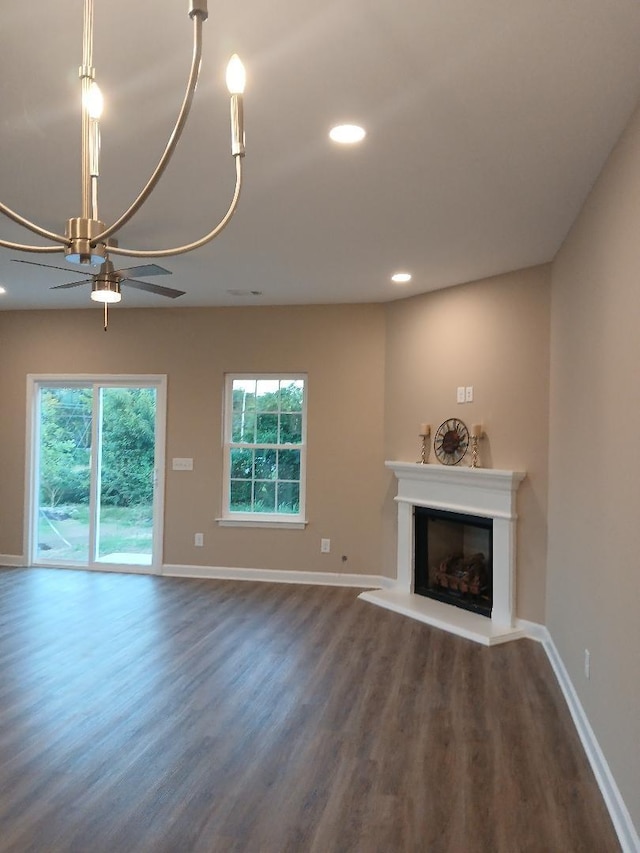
{"type": "Point", "coordinates": [109, 296]}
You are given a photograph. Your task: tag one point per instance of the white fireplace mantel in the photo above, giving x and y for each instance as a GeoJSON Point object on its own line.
{"type": "Point", "coordinates": [484, 492]}
{"type": "Point", "coordinates": [474, 491]}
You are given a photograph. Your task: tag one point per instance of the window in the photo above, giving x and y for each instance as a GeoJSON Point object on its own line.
{"type": "Point", "coordinates": [264, 447]}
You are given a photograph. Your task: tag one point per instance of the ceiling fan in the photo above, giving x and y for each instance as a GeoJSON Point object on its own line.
{"type": "Point", "coordinates": [106, 282]}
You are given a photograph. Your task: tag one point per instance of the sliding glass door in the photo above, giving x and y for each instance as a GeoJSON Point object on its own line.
{"type": "Point", "coordinates": [96, 472]}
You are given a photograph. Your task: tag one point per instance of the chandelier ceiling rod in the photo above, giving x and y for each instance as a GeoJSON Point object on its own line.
{"type": "Point", "coordinates": [87, 78]}
{"type": "Point", "coordinates": [87, 238]}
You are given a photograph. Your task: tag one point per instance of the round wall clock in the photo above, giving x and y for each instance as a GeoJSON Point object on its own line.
{"type": "Point", "coordinates": [451, 441]}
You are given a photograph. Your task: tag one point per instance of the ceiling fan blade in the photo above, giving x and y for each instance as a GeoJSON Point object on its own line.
{"type": "Point", "coordinates": [46, 266]}
{"type": "Point", "coordinates": [71, 284]}
{"type": "Point", "coordinates": [144, 270]}
{"type": "Point", "coordinates": [171, 292]}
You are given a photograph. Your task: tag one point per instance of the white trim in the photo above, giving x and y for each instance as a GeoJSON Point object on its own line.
{"type": "Point", "coordinates": [113, 568]}
{"type": "Point", "coordinates": [31, 444]}
{"type": "Point", "coordinates": [227, 445]}
{"type": "Point", "coordinates": [455, 620]}
{"type": "Point", "coordinates": [159, 475]}
{"type": "Point", "coordinates": [96, 381]}
{"type": "Point", "coordinates": [487, 492]}
{"type": "Point", "coordinates": [464, 509]}
{"type": "Point", "coordinates": [272, 524]}
{"type": "Point", "coordinates": [627, 833]}
{"type": "Point", "coordinates": [532, 630]}
{"type": "Point", "coordinates": [491, 479]}
{"type": "Point", "coordinates": [12, 561]}
{"type": "Point", "coordinates": [276, 576]}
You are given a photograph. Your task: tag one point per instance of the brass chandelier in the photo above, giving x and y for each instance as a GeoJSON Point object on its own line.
{"type": "Point", "coordinates": [88, 240]}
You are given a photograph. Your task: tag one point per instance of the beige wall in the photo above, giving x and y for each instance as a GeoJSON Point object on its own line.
{"type": "Point", "coordinates": [493, 335]}
{"type": "Point", "coordinates": [593, 587]}
{"type": "Point", "coordinates": [340, 347]}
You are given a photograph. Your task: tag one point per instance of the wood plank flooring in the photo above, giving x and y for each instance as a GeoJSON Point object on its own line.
{"type": "Point", "coordinates": [157, 715]}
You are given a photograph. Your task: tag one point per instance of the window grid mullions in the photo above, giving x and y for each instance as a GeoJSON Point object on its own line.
{"type": "Point", "coordinates": [278, 421]}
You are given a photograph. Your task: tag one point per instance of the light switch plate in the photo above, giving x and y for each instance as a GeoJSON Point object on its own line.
{"type": "Point", "coordinates": [468, 394]}
{"type": "Point", "coordinates": [460, 394]}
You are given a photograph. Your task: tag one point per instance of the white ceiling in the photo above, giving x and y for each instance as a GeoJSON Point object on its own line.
{"type": "Point", "coordinates": [487, 125]}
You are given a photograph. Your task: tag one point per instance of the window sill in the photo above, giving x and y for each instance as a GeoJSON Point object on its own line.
{"type": "Point", "coordinates": [271, 523]}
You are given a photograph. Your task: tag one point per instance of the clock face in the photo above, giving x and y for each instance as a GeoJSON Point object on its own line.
{"type": "Point", "coordinates": [451, 441]}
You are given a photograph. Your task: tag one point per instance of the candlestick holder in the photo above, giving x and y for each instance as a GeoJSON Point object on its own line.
{"type": "Point", "coordinates": [424, 449]}
{"type": "Point", "coordinates": [476, 435]}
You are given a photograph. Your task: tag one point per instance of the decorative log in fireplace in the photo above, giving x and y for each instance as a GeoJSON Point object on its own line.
{"type": "Point", "coordinates": [467, 575]}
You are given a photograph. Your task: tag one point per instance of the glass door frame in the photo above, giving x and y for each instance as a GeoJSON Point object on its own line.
{"type": "Point", "coordinates": [95, 381]}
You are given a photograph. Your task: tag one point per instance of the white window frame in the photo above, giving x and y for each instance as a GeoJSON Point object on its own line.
{"type": "Point", "coordinates": [37, 381]}
{"type": "Point", "coordinates": [261, 519]}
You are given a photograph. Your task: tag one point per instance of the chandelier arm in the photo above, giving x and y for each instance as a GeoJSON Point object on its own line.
{"type": "Point", "coordinates": [181, 250]}
{"type": "Point", "coordinates": [20, 247]}
{"type": "Point", "coordinates": [173, 139]}
{"type": "Point", "coordinates": [31, 226]}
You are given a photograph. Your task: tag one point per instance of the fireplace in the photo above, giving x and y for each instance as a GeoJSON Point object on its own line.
{"type": "Point", "coordinates": [484, 501]}
{"type": "Point", "coordinates": [453, 558]}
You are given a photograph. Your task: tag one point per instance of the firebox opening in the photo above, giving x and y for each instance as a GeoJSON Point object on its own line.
{"type": "Point", "coordinates": [453, 558]}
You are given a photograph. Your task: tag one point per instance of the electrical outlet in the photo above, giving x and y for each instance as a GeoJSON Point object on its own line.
{"type": "Point", "coordinates": [325, 546]}
{"type": "Point", "coordinates": [460, 394]}
{"type": "Point", "coordinates": [468, 394]}
{"type": "Point", "coordinates": [181, 463]}
{"type": "Point", "coordinates": [587, 663]}
{"type": "Point", "coordinates": [198, 540]}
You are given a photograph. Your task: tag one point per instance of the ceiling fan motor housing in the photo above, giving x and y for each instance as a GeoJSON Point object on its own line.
{"type": "Point", "coordinates": [81, 232]}
{"type": "Point", "coordinates": [106, 285]}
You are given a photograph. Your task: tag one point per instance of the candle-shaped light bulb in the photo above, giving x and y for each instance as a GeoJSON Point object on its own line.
{"type": "Point", "coordinates": [94, 104]}
{"type": "Point", "coordinates": [95, 101]}
{"type": "Point", "coordinates": [236, 79]}
{"type": "Point", "coordinates": [236, 76]}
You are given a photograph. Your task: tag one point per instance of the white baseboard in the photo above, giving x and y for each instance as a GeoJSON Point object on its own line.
{"type": "Point", "coordinates": [627, 833]}
{"type": "Point", "coordinates": [533, 630]}
{"type": "Point", "coordinates": [12, 560]}
{"type": "Point", "coordinates": [277, 576]}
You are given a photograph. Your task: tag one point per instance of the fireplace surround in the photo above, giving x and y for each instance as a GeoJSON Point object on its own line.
{"type": "Point", "coordinates": [476, 492]}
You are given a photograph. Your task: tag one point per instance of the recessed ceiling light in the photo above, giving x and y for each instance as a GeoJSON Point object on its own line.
{"type": "Point", "coordinates": [347, 134]}
{"type": "Point", "coordinates": [2, 290]}
{"type": "Point", "coordinates": [401, 277]}
{"type": "Point", "coordinates": [238, 292]}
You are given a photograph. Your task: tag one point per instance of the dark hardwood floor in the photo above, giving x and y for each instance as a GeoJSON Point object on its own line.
{"type": "Point", "coordinates": [162, 715]}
